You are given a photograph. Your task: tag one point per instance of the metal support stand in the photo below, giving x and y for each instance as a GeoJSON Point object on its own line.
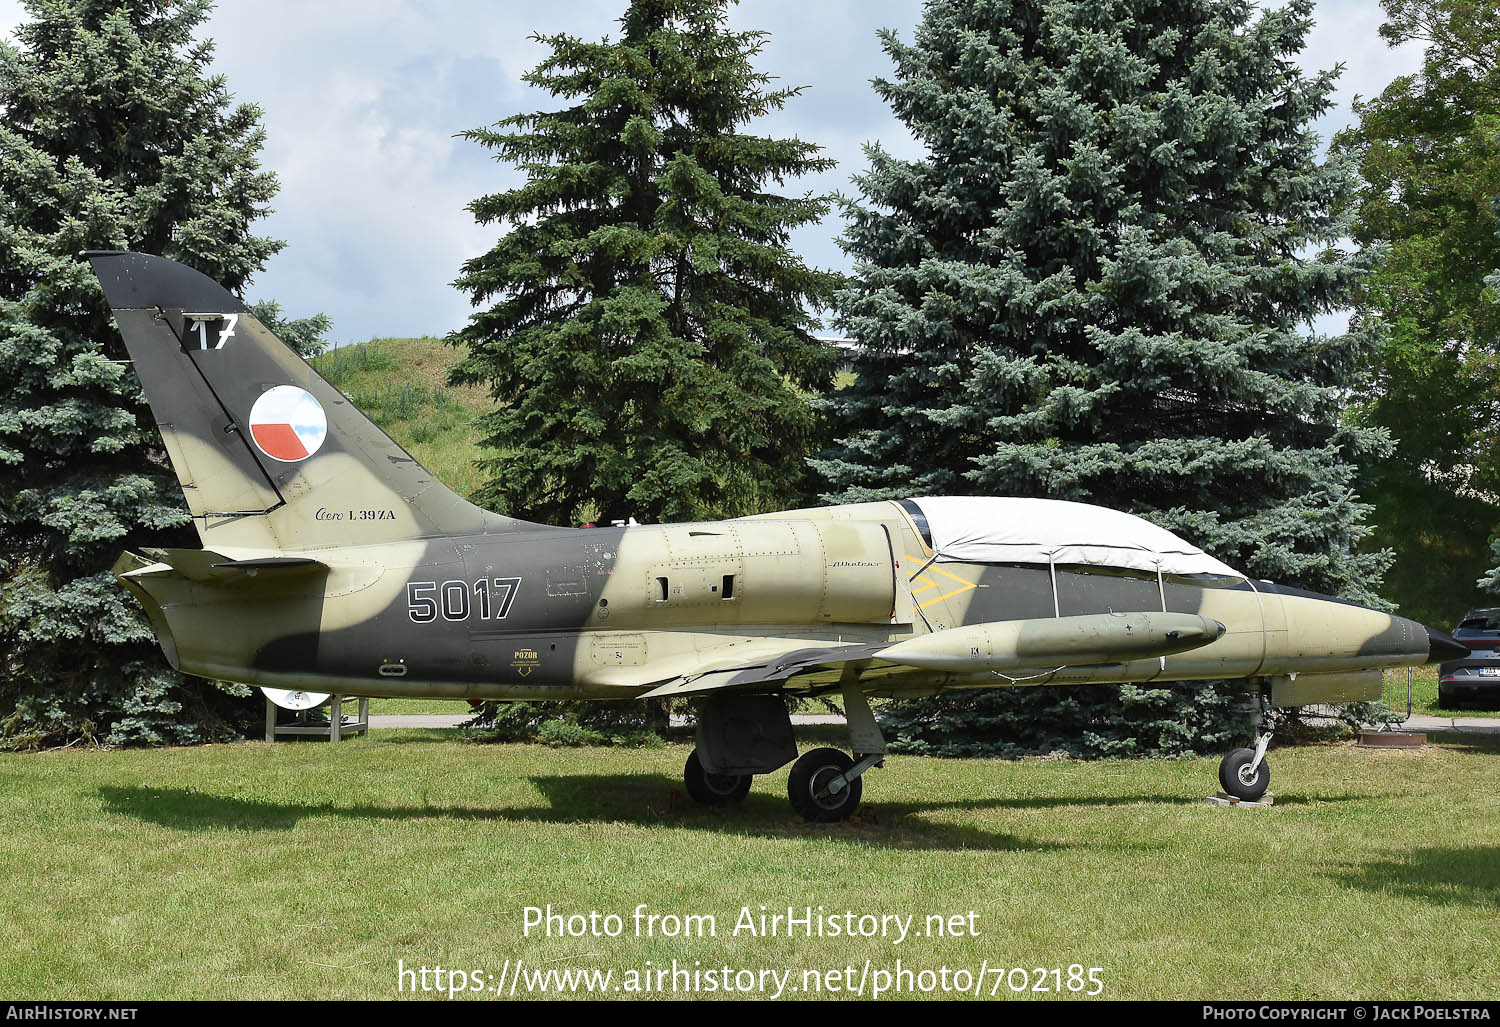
{"type": "Point", "coordinates": [334, 730]}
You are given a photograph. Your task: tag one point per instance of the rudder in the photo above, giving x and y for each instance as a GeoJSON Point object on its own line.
{"type": "Point", "coordinates": [268, 453]}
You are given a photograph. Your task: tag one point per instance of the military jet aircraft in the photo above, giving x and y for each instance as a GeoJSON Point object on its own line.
{"type": "Point", "coordinates": [333, 562]}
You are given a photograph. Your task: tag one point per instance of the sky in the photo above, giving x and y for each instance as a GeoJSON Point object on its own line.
{"type": "Point", "coordinates": [363, 99]}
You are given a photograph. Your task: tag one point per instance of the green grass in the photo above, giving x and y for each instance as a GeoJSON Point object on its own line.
{"type": "Point", "coordinates": [307, 870]}
{"type": "Point", "coordinates": [410, 707]}
{"type": "Point", "coordinates": [401, 384]}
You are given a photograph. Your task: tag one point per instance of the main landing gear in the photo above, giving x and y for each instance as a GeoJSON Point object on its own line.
{"type": "Point", "coordinates": [740, 736]}
{"type": "Point", "coordinates": [714, 789]}
{"type": "Point", "coordinates": [825, 785]}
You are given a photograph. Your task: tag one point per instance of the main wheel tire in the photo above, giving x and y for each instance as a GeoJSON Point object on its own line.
{"type": "Point", "coordinates": [807, 787]}
{"type": "Point", "coordinates": [1224, 769]}
{"type": "Point", "coordinates": [1235, 776]}
{"type": "Point", "coordinates": [714, 789]}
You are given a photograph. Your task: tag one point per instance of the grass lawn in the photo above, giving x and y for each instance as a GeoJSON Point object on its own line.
{"type": "Point", "coordinates": [307, 870]}
{"type": "Point", "coordinates": [411, 707]}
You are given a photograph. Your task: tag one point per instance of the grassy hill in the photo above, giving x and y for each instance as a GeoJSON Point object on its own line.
{"type": "Point", "coordinates": [402, 385]}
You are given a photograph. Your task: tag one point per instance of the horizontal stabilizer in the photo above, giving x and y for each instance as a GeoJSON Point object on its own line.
{"type": "Point", "coordinates": [206, 565]}
{"type": "Point", "coordinates": [270, 563]}
{"type": "Point", "coordinates": [1055, 641]}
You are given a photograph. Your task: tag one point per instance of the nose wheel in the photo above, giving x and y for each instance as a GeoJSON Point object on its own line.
{"type": "Point", "coordinates": [1245, 773]}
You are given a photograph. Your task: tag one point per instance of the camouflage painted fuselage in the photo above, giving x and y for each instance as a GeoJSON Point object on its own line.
{"type": "Point", "coordinates": [333, 562]}
{"type": "Point", "coordinates": [615, 612]}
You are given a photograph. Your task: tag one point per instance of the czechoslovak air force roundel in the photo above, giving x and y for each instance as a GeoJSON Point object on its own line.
{"type": "Point", "coordinates": [287, 424]}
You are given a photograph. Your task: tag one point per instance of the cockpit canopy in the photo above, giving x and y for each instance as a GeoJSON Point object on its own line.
{"type": "Point", "coordinates": [984, 529]}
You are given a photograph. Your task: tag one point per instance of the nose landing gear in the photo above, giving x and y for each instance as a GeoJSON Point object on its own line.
{"type": "Point", "coordinates": [1245, 773]}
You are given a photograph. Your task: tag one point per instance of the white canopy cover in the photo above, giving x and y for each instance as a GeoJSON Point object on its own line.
{"type": "Point", "coordinates": [983, 529]}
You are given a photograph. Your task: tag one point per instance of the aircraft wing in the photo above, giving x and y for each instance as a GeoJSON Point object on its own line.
{"type": "Point", "coordinates": [757, 673]}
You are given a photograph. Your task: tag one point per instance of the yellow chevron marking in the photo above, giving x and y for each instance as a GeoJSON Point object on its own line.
{"type": "Point", "coordinates": [931, 583]}
{"type": "Point", "coordinates": [927, 582]}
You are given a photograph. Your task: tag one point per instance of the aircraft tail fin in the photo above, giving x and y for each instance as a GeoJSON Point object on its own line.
{"type": "Point", "coordinates": [268, 453]}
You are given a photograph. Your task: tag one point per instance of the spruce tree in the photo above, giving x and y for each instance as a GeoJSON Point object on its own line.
{"type": "Point", "coordinates": [1099, 284]}
{"type": "Point", "coordinates": [112, 136]}
{"type": "Point", "coordinates": [305, 336]}
{"type": "Point", "coordinates": [647, 333]}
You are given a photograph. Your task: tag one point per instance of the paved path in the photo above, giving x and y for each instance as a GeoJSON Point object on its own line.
{"type": "Point", "coordinates": [1479, 725]}
{"type": "Point", "coordinates": [1418, 722]}
{"type": "Point", "coordinates": [418, 720]}
{"type": "Point", "coordinates": [454, 720]}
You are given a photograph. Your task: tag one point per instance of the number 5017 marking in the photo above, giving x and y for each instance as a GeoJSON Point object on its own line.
{"type": "Point", "coordinates": [492, 599]}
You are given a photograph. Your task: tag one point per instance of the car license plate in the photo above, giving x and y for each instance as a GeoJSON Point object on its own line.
{"type": "Point", "coordinates": [1489, 672]}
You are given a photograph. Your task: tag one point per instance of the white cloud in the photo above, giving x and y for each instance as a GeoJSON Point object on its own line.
{"type": "Point", "coordinates": [1348, 32]}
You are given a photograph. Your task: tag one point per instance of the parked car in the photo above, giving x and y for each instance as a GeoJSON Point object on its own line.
{"type": "Point", "coordinates": [1475, 678]}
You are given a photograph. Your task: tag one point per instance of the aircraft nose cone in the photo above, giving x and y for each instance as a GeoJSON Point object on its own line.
{"type": "Point", "coordinates": [1442, 648]}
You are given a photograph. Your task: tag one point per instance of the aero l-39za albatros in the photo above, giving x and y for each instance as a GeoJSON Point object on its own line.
{"type": "Point", "coordinates": [332, 561]}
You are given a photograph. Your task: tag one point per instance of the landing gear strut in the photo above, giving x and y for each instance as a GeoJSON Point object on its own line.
{"type": "Point", "coordinates": [741, 736]}
{"type": "Point", "coordinates": [820, 786]}
{"type": "Point", "coordinates": [825, 785]}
